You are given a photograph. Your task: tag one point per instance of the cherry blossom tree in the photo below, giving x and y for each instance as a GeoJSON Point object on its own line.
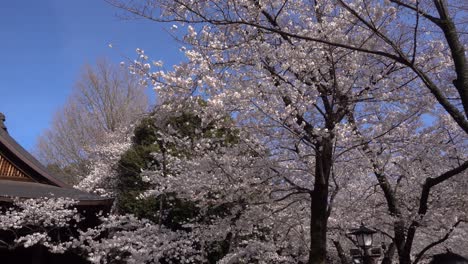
{"type": "Point", "coordinates": [406, 159]}
{"type": "Point", "coordinates": [199, 169]}
{"type": "Point", "coordinates": [47, 222]}
{"type": "Point", "coordinates": [255, 44]}
{"type": "Point", "coordinates": [344, 111]}
{"type": "Point", "coordinates": [299, 110]}
{"type": "Point", "coordinates": [102, 176]}
{"type": "Point", "coordinates": [428, 38]}
{"type": "Point", "coordinates": [300, 72]}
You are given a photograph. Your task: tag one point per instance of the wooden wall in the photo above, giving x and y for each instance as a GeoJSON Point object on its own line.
{"type": "Point", "coordinates": [10, 172]}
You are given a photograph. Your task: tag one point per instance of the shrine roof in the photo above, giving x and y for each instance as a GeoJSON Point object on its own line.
{"type": "Point", "coordinates": [23, 176]}
{"type": "Point", "coordinates": [10, 190]}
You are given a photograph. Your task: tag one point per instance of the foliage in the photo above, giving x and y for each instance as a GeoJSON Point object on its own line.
{"type": "Point", "coordinates": [147, 142]}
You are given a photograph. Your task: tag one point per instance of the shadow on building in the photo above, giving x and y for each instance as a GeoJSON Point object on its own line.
{"type": "Point", "coordinates": [38, 255]}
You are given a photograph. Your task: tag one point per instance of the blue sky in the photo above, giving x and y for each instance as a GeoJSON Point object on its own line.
{"type": "Point", "coordinates": [44, 44]}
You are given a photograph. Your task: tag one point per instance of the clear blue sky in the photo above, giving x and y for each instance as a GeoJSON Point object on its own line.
{"type": "Point", "coordinates": [44, 44]}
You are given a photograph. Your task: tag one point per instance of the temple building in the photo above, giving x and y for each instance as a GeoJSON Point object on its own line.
{"type": "Point", "coordinates": [23, 177]}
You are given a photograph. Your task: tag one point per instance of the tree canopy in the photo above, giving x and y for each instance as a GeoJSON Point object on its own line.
{"type": "Point", "coordinates": [290, 123]}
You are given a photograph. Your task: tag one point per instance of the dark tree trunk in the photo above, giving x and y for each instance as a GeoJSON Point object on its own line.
{"type": "Point", "coordinates": [388, 257]}
{"type": "Point", "coordinates": [341, 253]}
{"type": "Point", "coordinates": [319, 204]}
{"type": "Point", "coordinates": [405, 257]}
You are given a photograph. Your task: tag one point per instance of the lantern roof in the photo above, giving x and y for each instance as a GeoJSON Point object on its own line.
{"type": "Point", "coordinates": [363, 230]}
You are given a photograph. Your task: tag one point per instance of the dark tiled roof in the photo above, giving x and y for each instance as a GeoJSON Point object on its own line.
{"type": "Point", "coordinates": [2, 119]}
{"type": "Point", "coordinates": [33, 190]}
{"type": "Point", "coordinates": [6, 141]}
{"type": "Point", "coordinates": [44, 183]}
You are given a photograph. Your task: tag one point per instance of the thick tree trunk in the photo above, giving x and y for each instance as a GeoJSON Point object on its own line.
{"type": "Point", "coordinates": [388, 257]}
{"type": "Point", "coordinates": [341, 252]}
{"type": "Point", "coordinates": [405, 259]}
{"type": "Point", "coordinates": [399, 229]}
{"type": "Point", "coordinates": [318, 225]}
{"type": "Point", "coordinates": [319, 204]}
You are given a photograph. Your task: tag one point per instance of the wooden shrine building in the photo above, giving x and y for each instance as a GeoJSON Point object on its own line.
{"type": "Point", "coordinates": [23, 177]}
